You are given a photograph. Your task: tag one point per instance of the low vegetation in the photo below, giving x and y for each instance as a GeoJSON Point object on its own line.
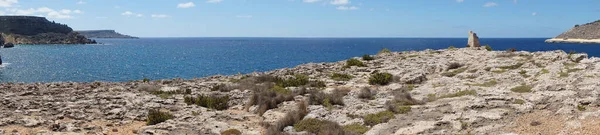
{"type": "Point", "coordinates": [488, 48]}
{"type": "Point", "coordinates": [356, 128]}
{"type": "Point", "coordinates": [519, 101]}
{"type": "Point", "coordinates": [156, 116]}
{"type": "Point", "coordinates": [155, 90]}
{"type": "Point", "coordinates": [486, 84]}
{"type": "Point", "coordinates": [336, 97]}
{"type": "Point", "coordinates": [459, 94]}
{"type": "Point", "coordinates": [454, 72]}
{"type": "Point", "coordinates": [354, 62]}
{"type": "Point", "coordinates": [380, 78]}
{"type": "Point", "coordinates": [381, 117]}
{"type": "Point", "coordinates": [581, 108]}
{"type": "Point", "coordinates": [290, 119]}
{"type": "Point", "coordinates": [366, 93]}
{"type": "Point", "coordinates": [341, 77]}
{"type": "Point", "coordinates": [212, 102]}
{"type": "Point", "coordinates": [384, 50]}
{"type": "Point", "coordinates": [524, 74]}
{"type": "Point", "coordinates": [401, 102]}
{"type": "Point", "coordinates": [367, 57]}
{"type": "Point", "coordinates": [522, 89]}
{"type": "Point", "coordinates": [231, 132]}
{"type": "Point", "coordinates": [454, 65]}
{"type": "Point", "coordinates": [319, 127]}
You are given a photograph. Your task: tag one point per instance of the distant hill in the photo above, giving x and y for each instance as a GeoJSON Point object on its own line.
{"type": "Point", "coordinates": [37, 30]}
{"type": "Point", "coordinates": [585, 33]}
{"type": "Point", "coordinates": [103, 34]}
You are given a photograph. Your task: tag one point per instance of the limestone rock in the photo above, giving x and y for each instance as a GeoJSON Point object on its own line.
{"type": "Point", "coordinates": [473, 40]}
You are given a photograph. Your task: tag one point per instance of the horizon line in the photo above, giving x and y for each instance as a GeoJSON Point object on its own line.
{"type": "Point", "coordinates": [335, 37]}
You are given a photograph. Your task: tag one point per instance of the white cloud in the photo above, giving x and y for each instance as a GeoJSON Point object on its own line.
{"type": "Point", "coordinates": [534, 13]}
{"type": "Point", "coordinates": [8, 3]}
{"type": "Point", "coordinates": [490, 4]}
{"type": "Point", "coordinates": [186, 5]}
{"type": "Point", "coordinates": [159, 16]}
{"type": "Point", "coordinates": [80, 2]}
{"type": "Point", "coordinates": [340, 2]}
{"type": "Point", "coordinates": [139, 15]}
{"type": "Point", "coordinates": [460, 1]}
{"type": "Point", "coordinates": [127, 13]}
{"type": "Point", "coordinates": [45, 12]}
{"type": "Point", "coordinates": [243, 16]}
{"type": "Point", "coordinates": [346, 8]}
{"type": "Point", "coordinates": [310, 1]}
{"type": "Point", "coordinates": [214, 1]}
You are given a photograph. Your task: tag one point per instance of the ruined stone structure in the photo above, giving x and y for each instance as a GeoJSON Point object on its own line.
{"type": "Point", "coordinates": [473, 40]}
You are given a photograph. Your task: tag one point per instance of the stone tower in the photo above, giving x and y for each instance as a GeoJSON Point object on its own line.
{"type": "Point", "coordinates": [473, 40]}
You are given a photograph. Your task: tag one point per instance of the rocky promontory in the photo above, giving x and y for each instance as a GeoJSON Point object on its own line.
{"type": "Point", "coordinates": [37, 30]}
{"type": "Point", "coordinates": [103, 34]}
{"type": "Point", "coordinates": [587, 34]}
{"type": "Point", "coordinates": [447, 91]}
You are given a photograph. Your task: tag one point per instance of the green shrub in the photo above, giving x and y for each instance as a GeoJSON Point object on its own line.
{"type": "Point", "coordinates": [356, 128]}
{"type": "Point", "coordinates": [516, 66]}
{"type": "Point", "coordinates": [487, 84]}
{"type": "Point", "coordinates": [368, 57]}
{"type": "Point", "coordinates": [522, 89]}
{"type": "Point", "coordinates": [451, 48]}
{"type": "Point", "coordinates": [524, 74]}
{"type": "Point", "coordinates": [354, 62]}
{"type": "Point", "coordinates": [545, 71]}
{"type": "Point", "coordinates": [317, 126]}
{"type": "Point", "coordinates": [146, 80]}
{"type": "Point", "coordinates": [328, 99]}
{"type": "Point", "coordinates": [581, 108]}
{"type": "Point", "coordinates": [213, 102]}
{"type": "Point", "coordinates": [454, 72]}
{"type": "Point", "coordinates": [519, 101]}
{"type": "Point", "coordinates": [384, 50]}
{"type": "Point", "coordinates": [380, 117]}
{"type": "Point", "coordinates": [488, 48]}
{"type": "Point", "coordinates": [297, 80]}
{"type": "Point", "coordinates": [341, 77]}
{"type": "Point", "coordinates": [156, 116]}
{"type": "Point", "coordinates": [380, 79]}
{"type": "Point", "coordinates": [231, 132]}
{"type": "Point", "coordinates": [280, 90]}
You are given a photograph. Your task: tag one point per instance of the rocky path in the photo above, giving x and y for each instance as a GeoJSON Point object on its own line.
{"type": "Point", "coordinates": [449, 91]}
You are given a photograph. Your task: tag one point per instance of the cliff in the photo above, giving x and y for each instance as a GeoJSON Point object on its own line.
{"type": "Point", "coordinates": [103, 34]}
{"type": "Point", "coordinates": [38, 30]}
{"type": "Point", "coordinates": [586, 33]}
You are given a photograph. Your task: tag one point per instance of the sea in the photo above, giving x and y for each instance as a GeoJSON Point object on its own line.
{"type": "Point", "coordinates": [120, 60]}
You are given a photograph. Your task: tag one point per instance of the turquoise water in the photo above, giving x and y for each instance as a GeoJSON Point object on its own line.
{"type": "Point", "coordinates": [165, 58]}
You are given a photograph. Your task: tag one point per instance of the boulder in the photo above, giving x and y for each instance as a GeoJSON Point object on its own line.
{"type": "Point", "coordinates": [473, 40]}
{"type": "Point", "coordinates": [9, 45]}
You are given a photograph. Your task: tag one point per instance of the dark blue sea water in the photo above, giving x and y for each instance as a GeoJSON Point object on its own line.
{"type": "Point", "coordinates": [165, 58]}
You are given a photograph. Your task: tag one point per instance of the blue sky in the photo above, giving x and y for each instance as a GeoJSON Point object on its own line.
{"type": "Point", "coordinates": [315, 18]}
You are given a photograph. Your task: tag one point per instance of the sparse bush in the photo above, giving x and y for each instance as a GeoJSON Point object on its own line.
{"type": "Point", "coordinates": [384, 50]}
{"type": "Point", "coordinates": [231, 132]}
{"type": "Point", "coordinates": [488, 48]}
{"type": "Point", "coordinates": [221, 88]}
{"type": "Point", "coordinates": [319, 127]}
{"type": "Point", "coordinates": [368, 57]}
{"type": "Point", "coordinates": [519, 101]}
{"type": "Point", "coordinates": [522, 89]}
{"type": "Point", "coordinates": [581, 108]}
{"type": "Point", "coordinates": [454, 65]}
{"type": "Point", "coordinates": [454, 72]}
{"type": "Point", "coordinates": [297, 80]}
{"type": "Point", "coordinates": [487, 84]}
{"type": "Point", "coordinates": [366, 93]}
{"type": "Point", "coordinates": [354, 62]}
{"type": "Point", "coordinates": [156, 116]}
{"type": "Point", "coordinates": [380, 79]}
{"type": "Point", "coordinates": [516, 66]}
{"type": "Point", "coordinates": [146, 80]}
{"type": "Point", "coordinates": [356, 128]}
{"type": "Point", "coordinates": [267, 99]}
{"type": "Point", "coordinates": [524, 74]}
{"type": "Point", "coordinates": [341, 77]}
{"type": "Point", "coordinates": [545, 71]}
{"type": "Point", "coordinates": [290, 119]}
{"type": "Point", "coordinates": [459, 94]}
{"type": "Point", "coordinates": [451, 48]}
{"type": "Point", "coordinates": [336, 97]}
{"type": "Point", "coordinates": [381, 117]}
{"type": "Point", "coordinates": [213, 102]}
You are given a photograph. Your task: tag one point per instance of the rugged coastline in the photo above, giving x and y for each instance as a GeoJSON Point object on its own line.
{"type": "Point", "coordinates": [103, 34]}
{"type": "Point", "coordinates": [588, 33]}
{"type": "Point", "coordinates": [448, 91]}
{"type": "Point", "coordinates": [37, 30]}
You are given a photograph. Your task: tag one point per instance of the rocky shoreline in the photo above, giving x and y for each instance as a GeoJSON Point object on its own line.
{"type": "Point", "coordinates": [575, 41]}
{"type": "Point", "coordinates": [447, 91]}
